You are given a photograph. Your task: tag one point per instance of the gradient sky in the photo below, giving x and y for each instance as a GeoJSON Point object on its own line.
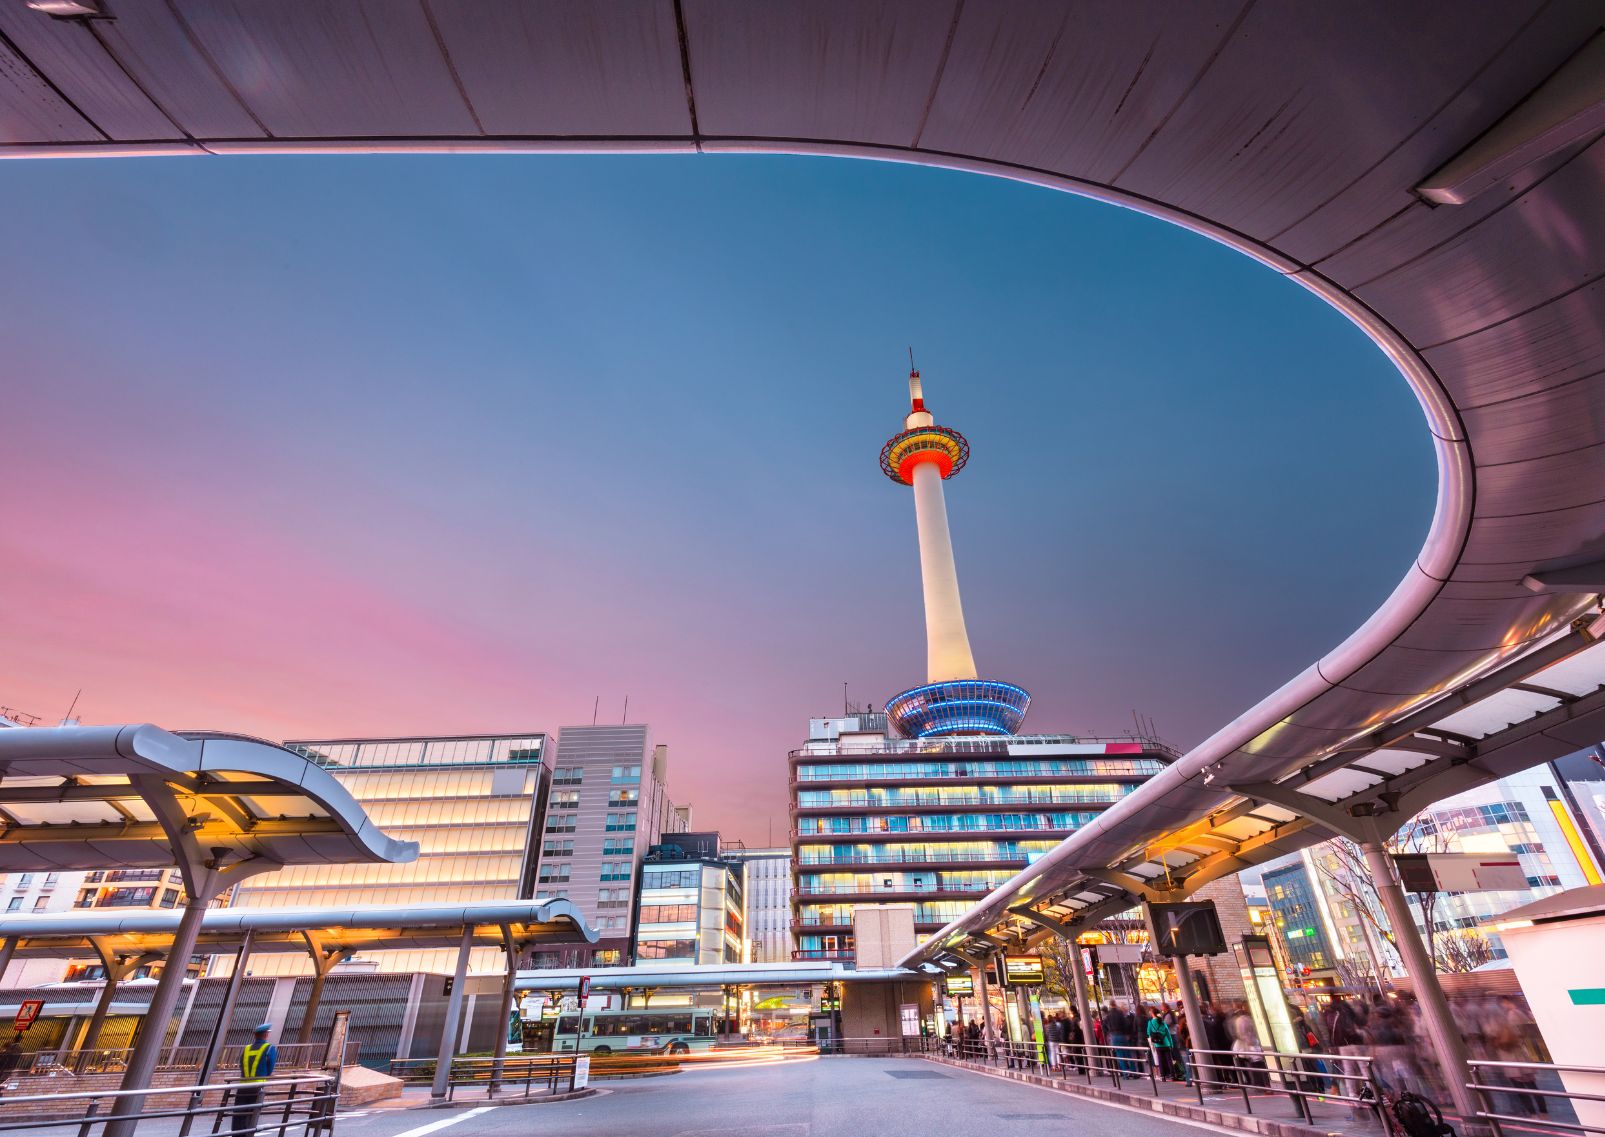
{"type": "Point", "coordinates": [327, 446]}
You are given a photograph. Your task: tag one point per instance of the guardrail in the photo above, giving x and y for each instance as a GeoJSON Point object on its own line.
{"type": "Point", "coordinates": [73, 1063]}
{"type": "Point", "coordinates": [555, 1073]}
{"type": "Point", "coordinates": [280, 1107]}
{"type": "Point", "coordinates": [1546, 1108]}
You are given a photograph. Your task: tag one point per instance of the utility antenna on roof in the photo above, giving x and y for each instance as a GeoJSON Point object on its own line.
{"type": "Point", "coordinates": [67, 718]}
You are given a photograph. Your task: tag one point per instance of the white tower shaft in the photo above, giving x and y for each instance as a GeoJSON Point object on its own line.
{"type": "Point", "coordinates": [947, 644]}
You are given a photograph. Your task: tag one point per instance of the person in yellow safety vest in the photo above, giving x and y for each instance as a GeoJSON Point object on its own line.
{"type": "Point", "coordinates": [257, 1063]}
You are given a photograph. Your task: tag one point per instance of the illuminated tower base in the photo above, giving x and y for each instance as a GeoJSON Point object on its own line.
{"type": "Point", "coordinates": [954, 701]}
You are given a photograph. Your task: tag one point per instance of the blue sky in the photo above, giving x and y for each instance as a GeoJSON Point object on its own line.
{"type": "Point", "coordinates": [343, 445]}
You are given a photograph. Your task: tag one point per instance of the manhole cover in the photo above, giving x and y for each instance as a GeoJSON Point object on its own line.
{"type": "Point", "coordinates": [915, 1074]}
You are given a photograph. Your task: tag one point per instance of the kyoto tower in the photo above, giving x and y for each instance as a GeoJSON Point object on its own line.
{"type": "Point", "coordinates": [953, 700]}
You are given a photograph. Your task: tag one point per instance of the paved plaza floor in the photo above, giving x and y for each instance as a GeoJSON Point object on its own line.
{"type": "Point", "coordinates": [822, 1097]}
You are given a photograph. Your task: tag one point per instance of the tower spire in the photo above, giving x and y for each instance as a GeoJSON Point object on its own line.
{"type": "Point", "coordinates": [954, 701]}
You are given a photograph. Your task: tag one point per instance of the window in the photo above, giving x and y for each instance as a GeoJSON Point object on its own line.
{"type": "Point", "coordinates": [621, 822]}
{"type": "Point", "coordinates": [616, 870]}
{"type": "Point", "coordinates": [25, 880]}
{"type": "Point", "coordinates": [665, 949]}
{"type": "Point", "coordinates": [568, 775]}
{"type": "Point", "coordinates": [626, 774]}
{"type": "Point", "coordinates": [554, 874]}
{"type": "Point", "coordinates": [564, 824]}
{"type": "Point", "coordinates": [566, 799]}
{"type": "Point", "coordinates": [618, 846]}
{"type": "Point", "coordinates": [623, 797]}
{"type": "Point", "coordinates": [52, 879]}
{"type": "Point", "coordinates": [14, 904]}
{"type": "Point", "coordinates": [612, 897]}
{"type": "Point", "coordinates": [41, 903]}
{"type": "Point", "coordinates": [557, 849]}
{"type": "Point", "coordinates": [667, 913]}
{"type": "Point", "coordinates": [679, 878]}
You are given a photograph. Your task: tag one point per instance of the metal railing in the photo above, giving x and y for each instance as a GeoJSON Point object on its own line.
{"type": "Point", "coordinates": [73, 1063]}
{"type": "Point", "coordinates": [280, 1107]}
{"type": "Point", "coordinates": [517, 1073]}
{"type": "Point", "coordinates": [1529, 1088]}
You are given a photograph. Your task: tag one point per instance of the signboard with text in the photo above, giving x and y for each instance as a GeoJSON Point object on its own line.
{"type": "Point", "coordinates": [960, 985]}
{"type": "Point", "coordinates": [1022, 971]}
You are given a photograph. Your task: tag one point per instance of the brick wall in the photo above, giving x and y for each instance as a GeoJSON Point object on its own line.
{"type": "Point", "coordinates": [1220, 971]}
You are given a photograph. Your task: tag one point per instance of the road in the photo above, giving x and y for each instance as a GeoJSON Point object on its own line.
{"type": "Point", "coordinates": [823, 1097]}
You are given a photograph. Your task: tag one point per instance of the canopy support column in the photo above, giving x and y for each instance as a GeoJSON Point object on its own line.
{"type": "Point", "coordinates": [7, 950]}
{"type": "Point", "coordinates": [986, 1006]}
{"type": "Point", "coordinates": [1447, 1042]}
{"type": "Point", "coordinates": [225, 1013]}
{"type": "Point", "coordinates": [117, 968]}
{"type": "Point", "coordinates": [207, 873]}
{"type": "Point", "coordinates": [1196, 1031]}
{"type": "Point", "coordinates": [509, 994]}
{"type": "Point", "coordinates": [1078, 987]}
{"type": "Point", "coordinates": [323, 962]}
{"type": "Point", "coordinates": [454, 1013]}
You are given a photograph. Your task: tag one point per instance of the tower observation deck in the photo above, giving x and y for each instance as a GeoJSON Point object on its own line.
{"type": "Point", "coordinates": [954, 700]}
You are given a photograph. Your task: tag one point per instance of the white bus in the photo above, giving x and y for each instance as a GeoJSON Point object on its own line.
{"type": "Point", "coordinates": [673, 1030]}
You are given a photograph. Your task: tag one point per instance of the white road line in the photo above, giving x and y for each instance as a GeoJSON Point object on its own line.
{"type": "Point", "coordinates": [435, 1126]}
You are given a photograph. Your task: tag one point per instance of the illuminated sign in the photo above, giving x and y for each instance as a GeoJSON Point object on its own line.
{"type": "Point", "coordinates": [1022, 970]}
{"type": "Point", "coordinates": [960, 985]}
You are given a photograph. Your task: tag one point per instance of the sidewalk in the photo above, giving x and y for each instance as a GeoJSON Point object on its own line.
{"type": "Point", "coordinates": [1261, 1112]}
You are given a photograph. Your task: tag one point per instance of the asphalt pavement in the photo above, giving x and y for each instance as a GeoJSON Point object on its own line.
{"type": "Point", "coordinates": [820, 1097]}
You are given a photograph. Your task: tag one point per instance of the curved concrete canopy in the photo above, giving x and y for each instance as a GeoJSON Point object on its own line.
{"type": "Point", "coordinates": [128, 796]}
{"type": "Point", "coordinates": [1317, 139]}
{"type": "Point", "coordinates": [370, 927]}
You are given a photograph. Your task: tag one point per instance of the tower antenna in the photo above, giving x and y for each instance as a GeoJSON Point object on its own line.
{"type": "Point", "coordinates": [911, 366]}
{"type": "Point", "coordinates": [626, 717]}
{"type": "Point", "coordinates": [595, 707]}
{"type": "Point", "coordinates": [68, 716]}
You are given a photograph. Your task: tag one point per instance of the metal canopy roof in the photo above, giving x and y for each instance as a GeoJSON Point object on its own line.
{"type": "Point", "coordinates": [1440, 190]}
{"type": "Point", "coordinates": [344, 930]}
{"type": "Point", "coordinates": [114, 796]}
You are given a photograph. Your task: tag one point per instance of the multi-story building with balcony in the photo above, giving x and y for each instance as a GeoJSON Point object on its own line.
{"type": "Point", "coordinates": [936, 822]}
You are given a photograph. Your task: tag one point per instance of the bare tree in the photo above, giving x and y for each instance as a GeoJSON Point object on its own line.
{"type": "Point", "coordinates": [1461, 950]}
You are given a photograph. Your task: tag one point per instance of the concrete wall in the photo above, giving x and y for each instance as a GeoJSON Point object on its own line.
{"type": "Point", "coordinates": [873, 1010]}
{"type": "Point", "coordinates": [882, 934]}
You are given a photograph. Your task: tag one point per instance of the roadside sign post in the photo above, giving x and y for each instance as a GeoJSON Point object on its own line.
{"type": "Point", "coordinates": [28, 1013]}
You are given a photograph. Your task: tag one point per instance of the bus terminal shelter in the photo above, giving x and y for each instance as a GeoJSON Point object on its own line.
{"type": "Point", "coordinates": [219, 807]}
{"type": "Point", "coordinates": [125, 940]}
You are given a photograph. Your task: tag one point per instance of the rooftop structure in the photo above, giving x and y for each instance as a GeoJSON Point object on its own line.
{"type": "Point", "coordinates": [954, 700]}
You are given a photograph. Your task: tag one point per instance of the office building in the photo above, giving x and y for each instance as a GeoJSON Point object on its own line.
{"type": "Point", "coordinates": [691, 906]}
{"type": "Point", "coordinates": [1291, 892]}
{"type": "Point", "coordinates": [769, 902]}
{"type": "Point", "coordinates": [472, 802]}
{"type": "Point", "coordinates": [609, 805]}
{"type": "Point", "coordinates": [937, 822]}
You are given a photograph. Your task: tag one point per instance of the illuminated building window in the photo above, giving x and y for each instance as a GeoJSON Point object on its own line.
{"type": "Point", "coordinates": [566, 799]}
{"type": "Point", "coordinates": [623, 797]}
{"type": "Point", "coordinates": [667, 913]}
{"type": "Point", "coordinates": [666, 949]}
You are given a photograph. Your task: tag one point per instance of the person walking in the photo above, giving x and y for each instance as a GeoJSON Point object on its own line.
{"type": "Point", "coordinates": [1163, 1044]}
{"type": "Point", "coordinates": [257, 1063]}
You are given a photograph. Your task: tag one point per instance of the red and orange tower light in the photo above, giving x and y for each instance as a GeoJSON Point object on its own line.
{"type": "Point", "coordinates": [954, 700]}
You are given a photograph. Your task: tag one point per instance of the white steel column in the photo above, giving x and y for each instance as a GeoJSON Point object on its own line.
{"type": "Point", "coordinates": [454, 1010]}
{"type": "Point", "coordinates": [947, 642]}
{"type": "Point", "coordinates": [1447, 1042]}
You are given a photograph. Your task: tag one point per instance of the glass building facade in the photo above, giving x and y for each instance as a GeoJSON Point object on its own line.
{"type": "Point", "coordinates": [473, 804]}
{"type": "Point", "coordinates": [935, 822]}
{"type": "Point", "coordinates": [691, 907]}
